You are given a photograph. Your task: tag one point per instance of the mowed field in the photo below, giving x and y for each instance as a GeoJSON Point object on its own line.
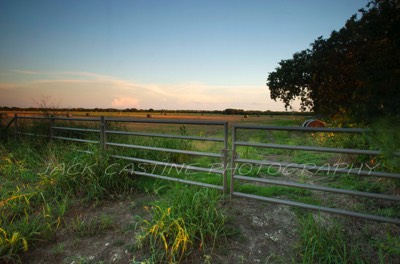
{"type": "Point", "coordinates": [149, 127]}
{"type": "Point", "coordinates": [273, 119]}
{"type": "Point", "coordinates": [270, 120]}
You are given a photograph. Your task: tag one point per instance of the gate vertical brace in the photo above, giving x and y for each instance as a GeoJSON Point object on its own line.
{"type": "Point", "coordinates": [52, 121]}
{"type": "Point", "coordinates": [233, 164]}
{"type": "Point", "coordinates": [102, 133]}
{"type": "Point", "coordinates": [225, 159]}
{"type": "Point", "coordinates": [15, 126]}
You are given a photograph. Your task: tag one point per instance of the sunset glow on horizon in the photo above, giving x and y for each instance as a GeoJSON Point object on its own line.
{"type": "Point", "coordinates": [192, 55]}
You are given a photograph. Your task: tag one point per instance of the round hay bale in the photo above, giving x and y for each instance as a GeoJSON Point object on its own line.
{"type": "Point", "coordinates": [313, 123]}
{"type": "Point", "coordinates": [148, 116]}
{"type": "Point", "coordinates": [87, 114]}
{"type": "Point", "coordinates": [245, 116]}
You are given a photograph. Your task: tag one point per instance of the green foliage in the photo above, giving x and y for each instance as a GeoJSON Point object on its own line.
{"type": "Point", "coordinates": [355, 182]}
{"type": "Point", "coordinates": [185, 220]}
{"type": "Point", "coordinates": [325, 243]}
{"type": "Point", "coordinates": [89, 226]}
{"type": "Point", "coordinates": [385, 136]}
{"type": "Point", "coordinates": [158, 142]}
{"type": "Point", "coordinates": [340, 76]}
{"type": "Point", "coordinates": [292, 79]}
{"type": "Point", "coordinates": [39, 181]}
{"type": "Point", "coordinates": [274, 191]}
{"type": "Point", "coordinates": [389, 249]}
{"type": "Point", "coordinates": [328, 241]}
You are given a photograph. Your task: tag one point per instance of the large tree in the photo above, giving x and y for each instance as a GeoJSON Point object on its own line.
{"type": "Point", "coordinates": [353, 73]}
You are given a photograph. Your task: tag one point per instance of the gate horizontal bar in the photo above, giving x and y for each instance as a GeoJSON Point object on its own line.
{"type": "Point", "coordinates": [357, 171]}
{"type": "Point", "coordinates": [320, 208]}
{"type": "Point", "coordinates": [174, 179]}
{"type": "Point", "coordinates": [196, 153]}
{"type": "Point", "coordinates": [77, 139]}
{"type": "Point", "coordinates": [76, 129]}
{"type": "Point", "coordinates": [59, 118]}
{"type": "Point", "coordinates": [303, 129]}
{"type": "Point", "coordinates": [311, 148]}
{"type": "Point", "coordinates": [33, 117]}
{"type": "Point", "coordinates": [75, 119]}
{"type": "Point", "coordinates": [320, 188]}
{"type": "Point", "coordinates": [163, 135]}
{"type": "Point", "coordinates": [172, 165]}
{"type": "Point", "coordinates": [30, 134]}
{"type": "Point", "coordinates": [165, 121]}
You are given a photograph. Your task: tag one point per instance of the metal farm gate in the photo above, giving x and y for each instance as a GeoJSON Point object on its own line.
{"type": "Point", "coordinates": [103, 133]}
{"type": "Point", "coordinates": [360, 172]}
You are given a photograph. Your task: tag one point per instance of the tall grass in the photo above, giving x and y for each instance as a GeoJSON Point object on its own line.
{"type": "Point", "coordinates": [333, 240]}
{"type": "Point", "coordinates": [39, 182]}
{"type": "Point", "coordinates": [327, 243]}
{"type": "Point", "coordinates": [159, 142]}
{"type": "Point", "coordinates": [185, 221]}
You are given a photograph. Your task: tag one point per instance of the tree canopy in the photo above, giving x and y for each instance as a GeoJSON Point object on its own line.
{"type": "Point", "coordinates": [354, 73]}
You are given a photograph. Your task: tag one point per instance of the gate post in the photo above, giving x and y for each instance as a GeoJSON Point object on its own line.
{"type": "Point", "coordinates": [102, 133]}
{"type": "Point", "coordinates": [15, 126]}
{"type": "Point", "coordinates": [52, 120]}
{"type": "Point", "coordinates": [233, 164]}
{"type": "Point", "coordinates": [225, 154]}
{"type": "Point", "coordinates": [225, 173]}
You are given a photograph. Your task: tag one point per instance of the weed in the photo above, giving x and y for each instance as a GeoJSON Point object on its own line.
{"type": "Point", "coordinates": [118, 243]}
{"type": "Point", "coordinates": [323, 243]}
{"type": "Point", "coordinates": [81, 260]}
{"type": "Point", "coordinates": [39, 183]}
{"type": "Point", "coordinates": [85, 226]}
{"type": "Point", "coordinates": [273, 191]}
{"type": "Point", "coordinates": [187, 219]}
{"type": "Point", "coordinates": [40, 179]}
{"type": "Point", "coordinates": [58, 249]}
{"type": "Point", "coordinates": [389, 248]}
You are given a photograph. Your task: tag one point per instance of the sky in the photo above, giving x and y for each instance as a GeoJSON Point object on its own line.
{"type": "Point", "coordinates": [194, 55]}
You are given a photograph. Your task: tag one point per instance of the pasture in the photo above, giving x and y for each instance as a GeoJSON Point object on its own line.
{"type": "Point", "coordinates": [61, 204]}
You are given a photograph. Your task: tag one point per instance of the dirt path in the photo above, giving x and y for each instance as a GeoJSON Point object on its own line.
{"type": "Point", "coordinates": [265, 233]}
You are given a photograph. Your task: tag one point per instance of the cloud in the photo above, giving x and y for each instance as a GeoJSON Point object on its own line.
{"type": "Point", "coordinates": [25, 72]}
{"type": "Point", "coordinates": [125, 102]}
{"type": "Point", "coordinates": [91, 90]}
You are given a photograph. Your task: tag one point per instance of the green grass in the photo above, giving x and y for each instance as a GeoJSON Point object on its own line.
{"type": "Point", "coordinates": [41, 180]}
{"type": "Point", "coordinates": [325, 243]}
{"type": "Point", "coordinates": [273, 191]}
{"type": "Point", "coordinates": [252, 170]}
{"type": "Point", "coordinates": [332, 240]}
{"type": "Point", "coordinates": [185, 220]}
{"type": "Point", "coordinates": [85, 226]}
{"type": "Point", "coordinates": [308, 157]}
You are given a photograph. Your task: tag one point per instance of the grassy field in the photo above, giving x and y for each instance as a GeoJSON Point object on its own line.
{"type": "Point", "coordinates": [45, 182]}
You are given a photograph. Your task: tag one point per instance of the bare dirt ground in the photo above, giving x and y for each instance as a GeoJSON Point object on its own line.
{"type": "Point", "coordinates": [264, 233]}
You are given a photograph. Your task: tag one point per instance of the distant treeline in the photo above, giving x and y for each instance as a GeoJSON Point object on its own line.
{"type": "Point", "coordinates": [228, 111]}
